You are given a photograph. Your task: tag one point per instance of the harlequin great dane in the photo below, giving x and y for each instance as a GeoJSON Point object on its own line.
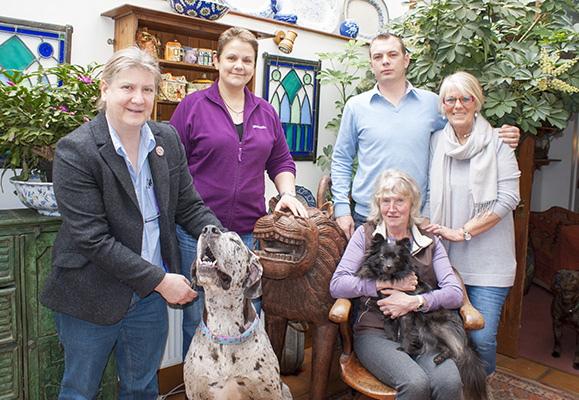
{"type": "Point", "coordinates": [230, 356]}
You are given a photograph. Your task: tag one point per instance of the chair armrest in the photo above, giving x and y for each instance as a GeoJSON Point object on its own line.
{"type": "Point", "coordinates": [471, 318]}
{"type": "Point", "coordinates": [340, 311]}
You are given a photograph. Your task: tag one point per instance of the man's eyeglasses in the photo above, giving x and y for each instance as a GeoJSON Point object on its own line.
{"type": "Point", "coordinates": [451, 101]}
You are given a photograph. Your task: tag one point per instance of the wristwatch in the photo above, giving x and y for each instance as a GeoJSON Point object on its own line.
{"type": "Point", "coordinates": [290, 192]}
{"type": "Point", "coordinates": [467, 235]}
{"type": "Point", "coordinates": [420, 303]}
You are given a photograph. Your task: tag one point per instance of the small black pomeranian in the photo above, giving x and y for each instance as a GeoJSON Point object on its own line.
{"type": "Point", "coordinates": [437, 331]}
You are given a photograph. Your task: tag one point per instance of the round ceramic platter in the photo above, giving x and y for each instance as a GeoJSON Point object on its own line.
{"type": "Point", "coordinates": [303, 195]}
{"type": "Point", "coordinates": [370, 15]}
{"type": "Point", "coordinates": [323, 15]}
{"type": "Point", "coordinates": [257, 8]}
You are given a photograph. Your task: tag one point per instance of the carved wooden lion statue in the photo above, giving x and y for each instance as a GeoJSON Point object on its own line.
{"type": "Point", "coordinates": [299, 257]}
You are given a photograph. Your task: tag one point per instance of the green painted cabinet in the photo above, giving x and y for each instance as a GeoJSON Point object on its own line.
{"type": "Point", "coordinates": [31, 356]}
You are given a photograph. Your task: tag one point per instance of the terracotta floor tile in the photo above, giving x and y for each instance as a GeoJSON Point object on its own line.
{"type": "Point", "coordinates": [305, 372]}
{"type": "Point", "coordinates": [300, 386]}
{"type": "Point", "coordinates": [524, 367]}
{"type": "Point", "coordinates": [562, 380]}
{"type": "Point", "coordinates": [297, 385]}
{"type": "Point", "coordinates": [500, 358]}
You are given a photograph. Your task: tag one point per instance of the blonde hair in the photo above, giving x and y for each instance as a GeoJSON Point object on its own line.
{"type": "Point", "coordinates": [130, 57]}
{"type": "Point", "coordinates": [465, 83]}
{"type": "Point", "coordinates": [395, 181]}
{"type": "Point", "coordinates": [238, 33]}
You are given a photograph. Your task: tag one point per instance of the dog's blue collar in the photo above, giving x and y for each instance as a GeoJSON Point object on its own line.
{"type": "Point", "coordinates": [248, 334]}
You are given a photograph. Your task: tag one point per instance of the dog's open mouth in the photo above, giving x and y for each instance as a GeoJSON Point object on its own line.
{"type": "Point", "coordinates": [207, 262]}
{"type": "Point", "coordinates": [277, 247]}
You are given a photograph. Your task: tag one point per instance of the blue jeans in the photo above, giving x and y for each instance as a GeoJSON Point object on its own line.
{"type": "Point", "coordinates": [193, 311]}
{"type": "Point", "coordinates": [138, 341]}
{"type": "Point", "coordinates": [414, 378]}
{"type": "Point", "coordinates": [359, 219]}
{"type": "Point", "coordinates": [489, 302]}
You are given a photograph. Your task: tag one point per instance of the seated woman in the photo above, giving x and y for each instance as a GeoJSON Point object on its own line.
{"type": "Point", "coordinates": [395, 214]}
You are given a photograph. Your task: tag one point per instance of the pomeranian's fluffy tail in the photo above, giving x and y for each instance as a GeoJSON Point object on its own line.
{"type": "Point", "coordinates": [473, 375]}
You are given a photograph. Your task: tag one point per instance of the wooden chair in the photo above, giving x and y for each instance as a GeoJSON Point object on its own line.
{"type": "Point", "coordinates": [351, 370]}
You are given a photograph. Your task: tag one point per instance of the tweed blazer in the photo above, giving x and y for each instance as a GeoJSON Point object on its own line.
{"type": "Point", "coordinates": [96, 262]}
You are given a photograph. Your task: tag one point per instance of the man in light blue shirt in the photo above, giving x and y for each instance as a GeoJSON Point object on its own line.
{"type": "Point", "coordinates": [387, 127]}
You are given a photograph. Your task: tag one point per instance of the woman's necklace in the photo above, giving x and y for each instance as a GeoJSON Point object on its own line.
{"type": "Point", "coordinates": [228, 106]}
{"type": "Point", "coordinates": [467, 135]}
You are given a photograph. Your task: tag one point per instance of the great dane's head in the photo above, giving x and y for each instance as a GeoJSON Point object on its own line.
{"type": "Point", "coordinates": [224, 260]}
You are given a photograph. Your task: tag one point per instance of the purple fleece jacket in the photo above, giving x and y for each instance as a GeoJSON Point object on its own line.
{"type": "Point", "coordinates": [227, 173]}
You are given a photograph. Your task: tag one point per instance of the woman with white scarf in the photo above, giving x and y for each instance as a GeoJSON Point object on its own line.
{"type": "Point", "coordinates": [474, 187]}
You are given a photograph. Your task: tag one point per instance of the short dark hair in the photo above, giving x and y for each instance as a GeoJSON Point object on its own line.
{"type": "Point", "coordinates": [386, 36]}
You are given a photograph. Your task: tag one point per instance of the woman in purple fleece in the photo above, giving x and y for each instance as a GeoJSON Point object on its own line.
{"type": "Point", "coordinates": [231, 138]}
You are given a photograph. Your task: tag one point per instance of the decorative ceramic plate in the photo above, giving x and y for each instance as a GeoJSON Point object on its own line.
{"type": "Point", "coordinates": [371, 16]}
{"type": "Point", "coordinates": [323, 15]}
{"type": "Point", "coordinates": [304, 195]}
{"type": "Point", "coordinates": [257, 8]}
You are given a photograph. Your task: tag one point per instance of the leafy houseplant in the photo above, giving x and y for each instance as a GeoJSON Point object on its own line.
{"type": "Point", "coordinates": [35, 114]}
{"type": "Point", "coordinates": [523, 52]}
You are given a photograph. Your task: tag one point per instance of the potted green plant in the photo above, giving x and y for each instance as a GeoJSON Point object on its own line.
{"type": "Point", "coordinates": [37, 109]}
{"type": "Point", "coordinates": [35, 113]}
{"type": "Point", "coordinates": [523, 52]}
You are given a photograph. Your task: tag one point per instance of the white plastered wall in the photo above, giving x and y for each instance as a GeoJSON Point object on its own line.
{"type": "Point", "coordinates": [552, 184]}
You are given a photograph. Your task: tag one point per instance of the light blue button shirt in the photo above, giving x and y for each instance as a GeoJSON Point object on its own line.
{"type": "Point", "coordinates": [145, 191]}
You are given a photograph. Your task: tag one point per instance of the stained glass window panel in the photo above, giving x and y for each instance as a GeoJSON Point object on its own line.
{"type": "Point", "coordinates": [291, 87]}
{"type": "Point", "coordinates": [26, 45]}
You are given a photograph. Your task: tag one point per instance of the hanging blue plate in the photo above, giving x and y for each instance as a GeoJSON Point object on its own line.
{"type": "Point", "coordinates": [257, 8]}
{"type": "Point", "coordinates": [370, 15]}
{"type": "Point", "coordinates": [304, 195]}
{"type": "Point", "coordinates": [323, 15]}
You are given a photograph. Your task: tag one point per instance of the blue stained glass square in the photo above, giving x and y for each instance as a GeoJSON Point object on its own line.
{"type": "Point", "coordinates": [15, 55]}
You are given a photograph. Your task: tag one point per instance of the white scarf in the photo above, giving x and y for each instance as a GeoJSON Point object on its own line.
{"type": "Point", "coordinates": [483, 174]}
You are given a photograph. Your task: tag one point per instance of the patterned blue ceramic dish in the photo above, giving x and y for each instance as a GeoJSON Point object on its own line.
{"type": "Point", "coordinates": [370, 15]}
{"type": "Point", "coordinates": [289, 18]}
{"type": "Point", "coordinates": [205, 9]}
{"type": "Point", "coordinates": [257, 8]}
{"type": "Point", "coordinates": [322, 15]}
{"type": "Point", "coordinates": [37, 195]}
{"type": "Point", "coordinates": [349, 28]}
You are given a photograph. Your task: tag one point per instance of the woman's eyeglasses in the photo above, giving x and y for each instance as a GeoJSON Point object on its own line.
{"type": "Point", "coordinates": [451, 101]}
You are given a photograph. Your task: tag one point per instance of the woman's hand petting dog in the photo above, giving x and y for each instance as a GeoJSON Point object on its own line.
{"type": "Point", "coordinates": [397, 303]}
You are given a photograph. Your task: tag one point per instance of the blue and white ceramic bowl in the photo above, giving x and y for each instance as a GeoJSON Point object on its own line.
{"type": "Point", "coordinates": [37, 195]}
{"type": "Point", "coordinates": [200, 8]}
{"type": "Point", "coordinates": [349, 28]}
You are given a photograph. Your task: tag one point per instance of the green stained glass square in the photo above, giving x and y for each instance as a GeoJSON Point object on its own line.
{"type": "Point", "coordinates": [15, 55]}
{"type": "Point", "coordinates": [292, 84]}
